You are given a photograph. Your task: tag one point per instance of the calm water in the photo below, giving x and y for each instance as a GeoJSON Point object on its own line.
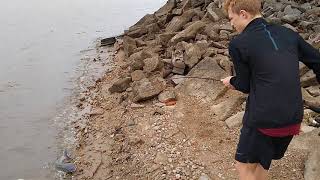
{"type": "Point", "coordinates": [40, 49]}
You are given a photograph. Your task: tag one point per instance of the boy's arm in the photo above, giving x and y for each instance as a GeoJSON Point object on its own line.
{"type": "Point", "coordinates": [309, 56]}
{"type": "Point", "coordinates": [241, 81]}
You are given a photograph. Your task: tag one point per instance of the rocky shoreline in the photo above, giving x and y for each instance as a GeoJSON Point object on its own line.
{"type": "Point", "coordinates": [161, 112]}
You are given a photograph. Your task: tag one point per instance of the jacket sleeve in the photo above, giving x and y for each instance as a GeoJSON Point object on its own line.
{"type": "Point", "coordinates": [241, 81]}
{"type": "Point", "coordinates": [309, 56]}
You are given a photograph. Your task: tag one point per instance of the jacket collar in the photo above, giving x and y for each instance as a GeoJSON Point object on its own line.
{"type": "Point", "coordinates": [254, 23]}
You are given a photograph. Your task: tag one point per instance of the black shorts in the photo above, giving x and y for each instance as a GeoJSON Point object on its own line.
{"type": "Point", "coordinates": [255, 147]}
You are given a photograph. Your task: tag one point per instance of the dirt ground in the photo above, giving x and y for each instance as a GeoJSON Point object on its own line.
{"type": "Point", "coordinates": [124, 140]}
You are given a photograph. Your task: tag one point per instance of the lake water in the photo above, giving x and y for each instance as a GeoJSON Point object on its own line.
{"type": "Point", "coordinates": [40, 49]}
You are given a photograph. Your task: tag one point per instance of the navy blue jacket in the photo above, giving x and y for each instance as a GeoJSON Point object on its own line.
{"type": "Point", "coordinates": [266, 60]}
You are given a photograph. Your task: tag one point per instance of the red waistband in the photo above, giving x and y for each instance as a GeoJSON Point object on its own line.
{"type": "Point", "coordinates": [282, 132]}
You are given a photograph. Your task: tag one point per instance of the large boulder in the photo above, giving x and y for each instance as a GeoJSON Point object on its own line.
{"type": "Point", "coordinates": [196, 3]}
{"type": "Point", "coordinates": [129, 45]}
{"type": "Point", "coordinates": [137, 75]}
{"type": "Point", "coordinates": [120, 85]}
{"type": "Point", "coordinates": [188, 33]}
{"type": "Point", "coordinates": [213, 13]}
{"type": "Point", "coordinates": [309, 100]}
{"type": "Point", "coordinates": [148, 22]}
{"type": "Point", "coordinates": [205, 90]}
{"type": "Point", "coordinates": [193, 54]}
{"type": "Point", "coordinates": [314, 90]}
{"type": "Point", "coordinates": [178, 22]}
{"type": "Point", "coordinates": [225, 109]}
{"type": "Point", "coordinates": [212, 30]}
{"type": "Point", "coordinates": [136, 59]}
{"type": "Point", "coordinates": [235, 120]}
{"type": "Point", "coordinates": [164, 38]}
{"type": "Point", "coordinates": [146, 89]}
{"type": "Point", "coordinates": [312, 165]}
{"type": "Point", "coordinates": [152, 64]}
{"type": "Point", "coordinates": [166, 96]}
{"type": "Point", "coordinates": [225, 63]}
{"type": "Point", "coordinates": [308, 79]}
{"type": "Point", "coordinates": [167, 8]}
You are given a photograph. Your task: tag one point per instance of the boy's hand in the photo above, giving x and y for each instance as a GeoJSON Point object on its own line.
{"type": "Point", "coordinates": [226, 82]}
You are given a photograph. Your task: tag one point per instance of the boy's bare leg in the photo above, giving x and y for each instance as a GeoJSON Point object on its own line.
{"type": "Point", "coordinates": [246, 170]}
{"type": "Point", "coordinates": [261, 173]}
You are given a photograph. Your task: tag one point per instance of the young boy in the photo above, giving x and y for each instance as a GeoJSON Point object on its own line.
{"type": "Point", "coordinates": [266, 60]}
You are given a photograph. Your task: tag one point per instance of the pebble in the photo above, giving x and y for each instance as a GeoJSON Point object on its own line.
{"type": "Point", "coordinates": [178, 176]}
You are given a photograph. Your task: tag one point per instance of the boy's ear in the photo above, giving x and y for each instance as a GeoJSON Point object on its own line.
{"type": "Point", "coordinates": [244, 14]}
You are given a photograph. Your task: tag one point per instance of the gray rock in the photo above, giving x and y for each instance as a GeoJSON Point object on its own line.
{"type": "Point", "coordinates": [288, 10]}
{"type": "Point", "coordinates": [140, 28]}
{"type": "Point", "coordinates": [136, 106]}
{"type": "Point", "coordinates": [200, 37]}
{"type": "Point", "coordinates": [306, 6]}
{"type": "Point", "coordinates": [225, 109]}
{"type": "Point", "coordinates": [121, 85]}
{"type": "Point", "coordinates": [316, 41]}
{"type": "Point", "coordinates": [308, 141]}
{"type": "Point", "coordinates": [152, 64]}
{"type": "Point", "coordinates": [177, 12]}
{"type": "Point", "coordinates": [177, 79]}
{"type": "Point", "coordinates": [210, 52]}
{"type": "Point", "coordinates": [218, 45]}
{"type": "Point", "coordinates": [108, 41]}
{"type": "Point", "coordinates": [225, 63]}
{"type": "Point", "coordinates": [214, 14]}
{"type": "Point", "coordinates": [66, 167]}
{"type": "Point", "coordinates": [314, 90]}
{"type": "Point", "coordinates": [138, 32]}
{"type": "Point", "coordinates": [196, 3]}
{"type": "Point", "coordinates": [205, 90]}
{"type": "Point", "coordinates": [303, 69]}
{"type": "Point", "coordinates": [267, 11]}
{"type": "Point", "coordinates": [226, 27]}
{"type": "Point", "coordinates": [306, 24]}
{"type": "Point", "coordinates": [167, 8]}
{"type": "Point", "coordinates": [166, 96]}
{"type": "Point", "coordinates": [137, 75]}
{"type": "Point", "coordinates": [178, 59]}
{"type": "Point", "coordinates": [235, 120]}
{"type": "Point", "coordinates": [188, 33]}
{"type": "Point", "coordinates": [178, 22]}
{"type": "Point", "coordinates": [306, 129]}
{"type": "Point", "coordinates": [212, 31]}
{"type": "Point", "coordinates": [164, 38]}
{"type": "Point", "coordinates": [274, 20]}
{"type": "Point", "coordinates": [145, 89]}
{"type": "Point", "coordinates": [129, 45]}
{"type": "Point", "coordinates": [308, 79]}
{"type": "Point", "coordinates": [204, 177]}
{"type": "Point", "coordinates": [312, 171]}
{"type": "Point", "coordinates": [310, 100]}
{"type": "Point", "coordinates": [136, 65]}
{"type": "Point", "coordinates": [64, 163]}
{"type": "Point", "coordinates": [314, 11]}
{"type": "Point", "coordinates": [145, 20]}
{"type": "Point", "coordinates": [193, 54]}
{"type": "Point", "coordinates": [316, 28]}
{"type": "Point", "coordinates": [290, 18]}
{"type": "Point", "coordinates": [289, 26]}
{"type": "Point", "coordinates": [136, 59]}
{"type": "Point", "coordinates": [96, 111]}
{"type": "Point", "coordinates": [178, 70]}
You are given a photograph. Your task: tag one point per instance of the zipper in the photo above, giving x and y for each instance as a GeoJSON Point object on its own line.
{"type": "Point", "coordinates": [270, 37]}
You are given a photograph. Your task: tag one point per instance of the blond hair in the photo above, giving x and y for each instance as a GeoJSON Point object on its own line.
{"type": "Point", "coordinates": [251, 6]}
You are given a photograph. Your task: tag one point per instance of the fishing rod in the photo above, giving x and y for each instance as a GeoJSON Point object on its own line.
{"type": "Point", "coordinates": [196, 77]}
